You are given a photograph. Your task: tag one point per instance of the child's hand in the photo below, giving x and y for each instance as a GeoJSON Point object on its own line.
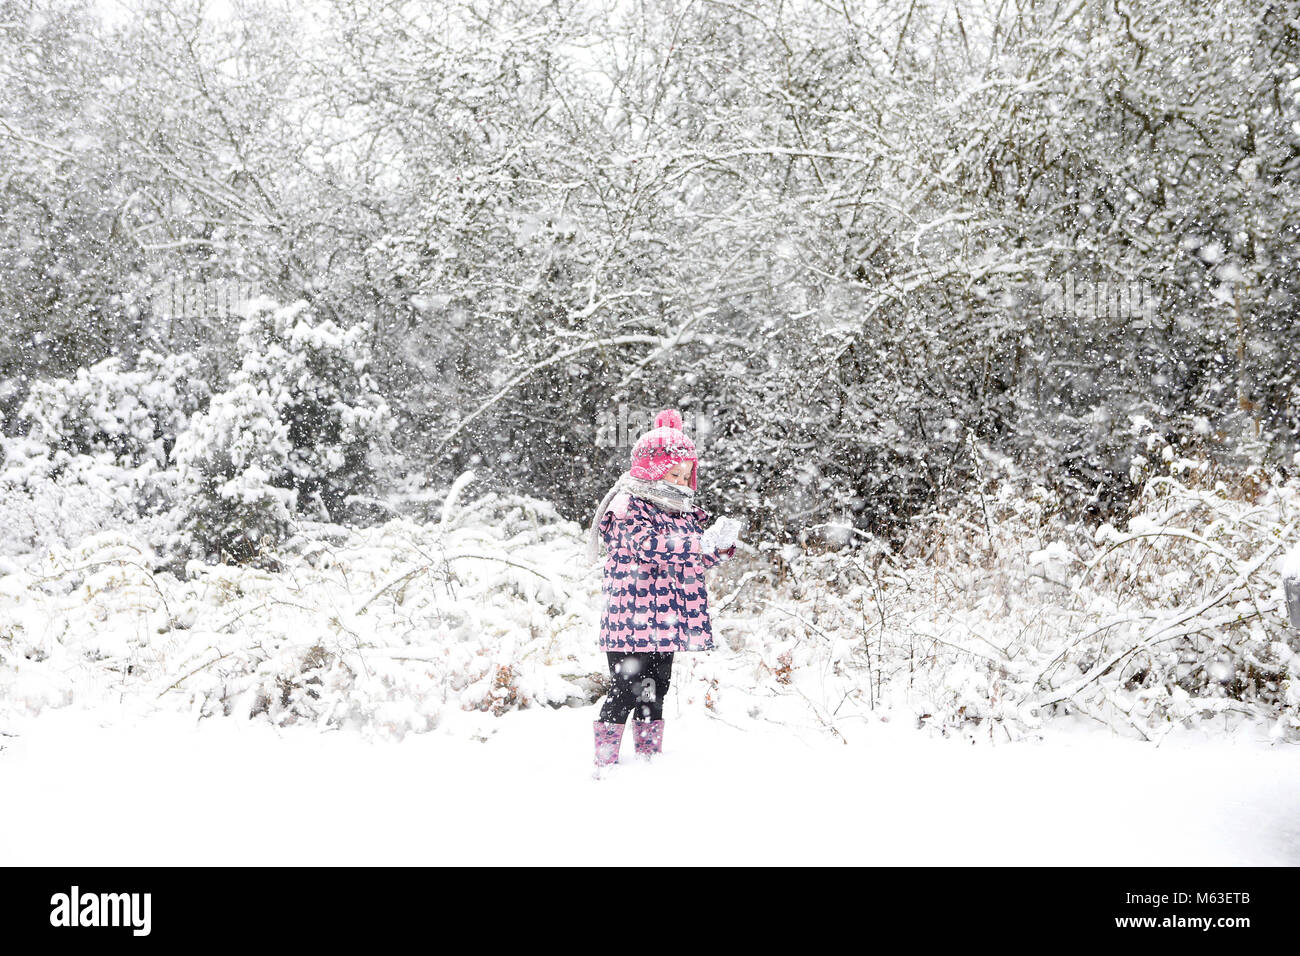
{"type": "Point", "coordinates": [709, 539]}
{"type": "Point", "coordinates": [728, 531]}
{"type": "Point", "coordinates": [719, 535]}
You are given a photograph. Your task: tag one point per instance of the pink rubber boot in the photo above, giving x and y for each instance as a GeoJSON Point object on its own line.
{"type": "Point", "coordinates": [608, 739]}
{"type": "Point", "coordinates": [648, 735]}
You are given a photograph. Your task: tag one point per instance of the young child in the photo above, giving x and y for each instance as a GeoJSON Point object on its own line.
{"type": "Point", "coordinates": [655, 600]}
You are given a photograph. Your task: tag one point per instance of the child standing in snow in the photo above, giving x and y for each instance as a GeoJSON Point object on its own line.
{"type": "Point", "coordinates": [655, 600]}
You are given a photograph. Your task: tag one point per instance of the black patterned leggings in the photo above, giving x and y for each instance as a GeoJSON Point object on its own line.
{"type": "Point", "coordinates": [639, 683]}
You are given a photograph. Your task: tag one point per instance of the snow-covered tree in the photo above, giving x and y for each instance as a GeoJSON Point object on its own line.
{"type": "Point", "coordinates": [317, 378]}
{"type": "Point", "coordinates": [67, 265]}
{"type": "Point", "coordinates": [842, 222]}
{"type": "Point", "coordinates": [228, 506]}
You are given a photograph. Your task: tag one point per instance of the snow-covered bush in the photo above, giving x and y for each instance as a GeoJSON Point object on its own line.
{"type": "Point", "coordinates": [1006, 614]}
{"type": "Point", "coordinates": [376, 629]}
{"type": "Point", "coordinates": [51, 503]}
{"type": "Point", "coordinates": [228, 508]}
{"type": "Point", "coordinates": [97, 450]}
{"type": "Point", "coordinates": [132, 415]}
{"type": "Point", "coordinates": [300, 427]}
{"type": "Point", "coordinates": [318, 380]}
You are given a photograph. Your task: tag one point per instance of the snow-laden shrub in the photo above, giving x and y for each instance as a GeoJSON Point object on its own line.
{"type": "Point", "coordinates": [49, 503]}
{"type": "Point", "coordinates": [228, 508]}
{"type": "Point", "coordinates": [97, 451]}
{"type": "Point", "coordinates": [1006, 615]}
{"type": "Point", "coordinates": [132, 415]}
{"type": "Point", "coordinates": [378, 629]}
{"type": "Point", "coordinates": [301, 426]}
{"type": "Point", "coordinates": [318, 380]}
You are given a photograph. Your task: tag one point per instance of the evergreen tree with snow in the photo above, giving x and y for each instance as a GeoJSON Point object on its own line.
{"type": "Point", "coordinates": [230, 509]}
{"type": "Point", "coordinates": [317, 377]}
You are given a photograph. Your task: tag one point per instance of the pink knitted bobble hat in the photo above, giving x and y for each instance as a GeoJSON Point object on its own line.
{"type": "Point", "coordinates": [658, 450]}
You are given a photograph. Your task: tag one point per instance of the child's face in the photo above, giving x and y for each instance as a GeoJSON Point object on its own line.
{"type": "Point", "coordinates": [680, 473]}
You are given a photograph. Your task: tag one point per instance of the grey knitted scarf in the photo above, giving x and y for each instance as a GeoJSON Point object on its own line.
{"type": "Point", "coordinates": [665, 494]}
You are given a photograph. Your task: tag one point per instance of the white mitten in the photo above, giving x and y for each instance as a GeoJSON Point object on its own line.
{"type": "Point", "coordinates": [728, 530]}
{"type": "Point", "coordinates": [709, 539]}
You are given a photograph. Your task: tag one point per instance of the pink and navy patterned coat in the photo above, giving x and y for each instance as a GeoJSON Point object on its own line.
{"type": "Point", "coordinates": [655, 598]}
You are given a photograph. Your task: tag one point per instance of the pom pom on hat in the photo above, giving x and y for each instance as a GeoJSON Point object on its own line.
{"type": "Point", "coordinates": [669, 418]}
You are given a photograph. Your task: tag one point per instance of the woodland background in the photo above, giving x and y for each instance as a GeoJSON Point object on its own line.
{"type": "Point", "coordinates": [827, 228]}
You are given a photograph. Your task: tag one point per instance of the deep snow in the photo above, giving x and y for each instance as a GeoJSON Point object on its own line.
{"type": "Point", "coordinates": [88, 788]}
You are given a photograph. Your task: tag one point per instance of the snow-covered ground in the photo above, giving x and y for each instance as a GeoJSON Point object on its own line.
{"type": "Point", "coordinates": [423, 692]}
{"type": "Point", "coordinates": [93, 788]}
